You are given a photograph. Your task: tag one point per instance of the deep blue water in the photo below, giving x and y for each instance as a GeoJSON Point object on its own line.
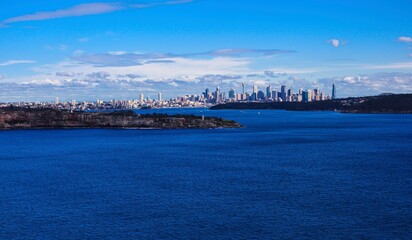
{"type": "Point", "coordinates": [285, 175]}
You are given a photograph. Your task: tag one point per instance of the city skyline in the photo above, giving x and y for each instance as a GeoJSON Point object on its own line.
{"type": "Point", "coordinates": [255, 94]}
{"type": "Point", "coordinates": [114, 50]}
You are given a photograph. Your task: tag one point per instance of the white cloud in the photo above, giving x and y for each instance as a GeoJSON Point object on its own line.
{"type": "Point", "coordinates": [405, 39]}
{"type": "Point", "coordinates": [334, 42]}
{"type": "Point", "coordinates": [12, 62]}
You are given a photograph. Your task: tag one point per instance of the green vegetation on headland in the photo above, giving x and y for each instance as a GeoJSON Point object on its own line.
{"type": "Point", "coordinates": [24, 118]}
{"type": "Point", "coordinates": [393, 103]}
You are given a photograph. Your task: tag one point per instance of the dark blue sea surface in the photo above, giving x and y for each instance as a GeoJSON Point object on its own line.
{"type": "Point", "coordinates": [285, 175]}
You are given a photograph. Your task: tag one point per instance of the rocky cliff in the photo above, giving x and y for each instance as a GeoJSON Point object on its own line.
{"type": "Point", "coordinates": [22, 118]}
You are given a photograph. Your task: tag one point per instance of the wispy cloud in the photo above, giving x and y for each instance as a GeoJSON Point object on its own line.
{"type": "Point", "coordinates": [84, 10]}
{"type": "Point", "coordinates": [401, 65]}
{"type": "Point", "coordinates": [125, 59]}
{"type": "Point", "coordinates": [12, 62]}
{"type": "Point", "coordinates": [75, 11]}
{"type": "Point", "coordinates": [405, 39]}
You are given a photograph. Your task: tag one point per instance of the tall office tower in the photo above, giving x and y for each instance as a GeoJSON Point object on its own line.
{"type": "Point", "coordinates": [300, 91]}
{"type": "Point", "coordinates": [261, 95]}
{"type": "Point", "coordinates": [255, 92]}
{"type": "Point", "coordinates": [232, 93]}
{"type": "Point", "coordinates": [289, 97]}
{"type": "Point", "coordinates": [243, 86]}
{"type": "Point", "coordinates": [57, 100]}
{"type": "Point", "coordinates": [74, 102]}
{"type": "Point", "coordinates": [275, 95]}
{"type": "Point", "coordinates": [141, 98]}
{"type": "Point", "coordinates": [206, 93]}
{"type": "Point", "coordinates": [333, 91]}
{"type": "Point", "coordinates": [283, 92]}
{"type": "Point", "coordinates": [159, 96]}
{"type": "Point", "coordinates": [269, 92]}
{"type": "Point", "coordinates": [217, 95]}
{"type": "Point", "coordinates": [305, 96]}
{"type": "Point", "coordinates": [222, 97]}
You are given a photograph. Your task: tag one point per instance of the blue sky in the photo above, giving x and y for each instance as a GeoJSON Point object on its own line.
{"type": "Point", "coordinates": [86, 50]}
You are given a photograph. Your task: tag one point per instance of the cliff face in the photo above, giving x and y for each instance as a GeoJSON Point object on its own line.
{"type": "Point", "coordinates": [17, 118]}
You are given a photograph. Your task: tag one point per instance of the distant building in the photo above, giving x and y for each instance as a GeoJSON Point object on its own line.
{"type": "Point", "coordinates": [206, 94]}
{"type": "Point", "coordinates": [289, 96]}
{"type": "Point", "coordinates": [141, 98]}
{"type": "Point", "coordinates": [283, 92]}
{"type": "Point", "coordinates": [275, 95]}
{"type": "Point", "coordinates": [217, 95]}
{"type": "Point", "coordinates": [232, 94]}
{"type": "Point", "coordinates": [333, 91]}
{"type": "Point", "coordinates": [159, 96]}
{"type": "Point", "coordinates": [261, 95]}
{"type": "Point", "coordinates": [254, 93]}
{"type": "Point", "coordinates": [269, 92]}
{"type": "Point", "coordinates": [307, 96]}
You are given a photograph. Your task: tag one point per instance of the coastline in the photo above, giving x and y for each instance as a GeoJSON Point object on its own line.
{"type": "Point", "coordinates": [387, 104]}
{"type": "Point", "coordinates": [21, 118]}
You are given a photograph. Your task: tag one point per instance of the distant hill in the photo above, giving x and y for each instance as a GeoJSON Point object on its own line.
{"type": "Point", "coordinates": [387, 103]}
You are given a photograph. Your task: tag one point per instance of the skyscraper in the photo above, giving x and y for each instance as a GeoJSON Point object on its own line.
{"type": "Point", "coordinates": [217, 95]}
{"type": "Point", "coordinates": [333, 91]}
{"type": "Point", "coordinates": [206, 93]}
{"type": "Point", "coordinates": [260, 95]}
{"type": "Point", "coordinates": [269, 92]}
{"type": "Point", "coordinates": [255, 92]}
{"type": "Point", "coordinates": [141, 98]}
{"type": "Point", "coordinates": [283, 92]}
{"type": "Point", "coordinates": [232, 93]}
{"type": "Point", "coordinates": [275, 95]}
{"type": "Point", "coordinates": [243, 86]}
{"type": "Point", "coordinates": [289, 96]}
{"type": "Point", "coordinates": [159, 96]}
{"type": "Point", "coordinates": [305, 96]}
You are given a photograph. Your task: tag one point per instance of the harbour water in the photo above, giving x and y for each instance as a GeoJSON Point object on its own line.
{"type": "Point", "coordinates": [284, 175]}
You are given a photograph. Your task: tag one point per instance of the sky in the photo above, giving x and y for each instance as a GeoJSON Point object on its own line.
{"type": "Point", "coordinates": [88, 50]}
